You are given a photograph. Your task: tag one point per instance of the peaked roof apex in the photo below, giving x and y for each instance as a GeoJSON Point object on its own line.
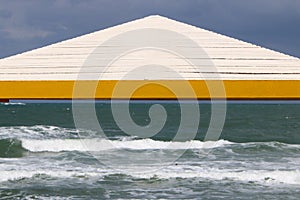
{"type": "Point", "coordinates": [155, 16]}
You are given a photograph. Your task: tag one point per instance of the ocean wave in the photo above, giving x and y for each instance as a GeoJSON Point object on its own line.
{"type": "Point", "coordinates": [259, 176]}
{"type": "Point", "coordinates": [58, 145]}
{"type": "Point", "coordinates": [266, 147]}
{"type": "Point", "coordinates": [41, 138]}
{"type": "Point", "coordinates": [133, 143]}
{"type": "Point", "coordinates": [270, 177]}
{"type": "Point", "coordinates": [34, 143]}
{"type": "Point", "coordinates": [21, 174]}
{"type": "Point", "coordinates": [11, 148]}
{"type": "Point", "coordinates": [37, 132]}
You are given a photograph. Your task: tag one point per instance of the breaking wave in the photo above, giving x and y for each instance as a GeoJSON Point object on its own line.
{"type": "Point", "coordinates": [250, 176]}
{"type": "Point", "coordinates": [57, 145]}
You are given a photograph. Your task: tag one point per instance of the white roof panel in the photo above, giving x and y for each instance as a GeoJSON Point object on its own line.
{"type": "Point", "coordinates": [224, 58]}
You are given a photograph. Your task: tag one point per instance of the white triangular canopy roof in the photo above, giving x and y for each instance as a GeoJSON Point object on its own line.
{"type": "Point", "coordinates": [232, 59]}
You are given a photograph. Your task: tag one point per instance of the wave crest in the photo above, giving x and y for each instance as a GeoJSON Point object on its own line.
{"type": "Point", "coordinates": [58, 145]}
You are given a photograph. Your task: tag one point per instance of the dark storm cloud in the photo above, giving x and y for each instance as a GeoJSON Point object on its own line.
{"type": "Point", "coordinates": [30, 24]}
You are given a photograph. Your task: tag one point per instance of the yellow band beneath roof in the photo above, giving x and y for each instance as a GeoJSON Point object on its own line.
{"type": "Point", "coordinates": [235, 89]}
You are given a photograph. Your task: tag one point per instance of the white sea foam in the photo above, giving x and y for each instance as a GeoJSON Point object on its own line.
{"type": "Point", "coordinates": [57, 145]}
{"type": "Point", "coordinates": [13, 104]}
{"type": "Point", "coordinates": [260, 176]}
{"type": "Point", "coordinates": [20, 174]}
{"type": "Point", "coordinates": [255, 176]}
{"type": "Point", "coordinates": [37, 132]}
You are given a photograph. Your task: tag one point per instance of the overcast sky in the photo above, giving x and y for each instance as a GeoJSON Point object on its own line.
{"type": "Point", "coordinates": [25, 25]}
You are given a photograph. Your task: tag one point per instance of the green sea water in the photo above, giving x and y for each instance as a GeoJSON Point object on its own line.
{"type": "Point", "coordinates": [43, 156]}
